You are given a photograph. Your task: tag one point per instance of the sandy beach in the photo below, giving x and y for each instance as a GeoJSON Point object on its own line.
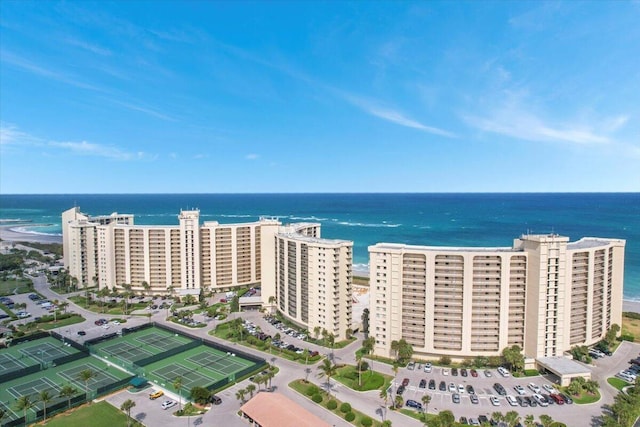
{"type": "Point", "coordinates": [9, 235]}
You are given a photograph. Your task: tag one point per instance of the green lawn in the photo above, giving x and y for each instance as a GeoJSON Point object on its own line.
{"type": "Point", "coordinates": [371, 380]}
{"type": "Point", "coordinates": [585, 398]}
{"type": "Point", "coordinates": [10, 287]}
{"type": "Point", "coordinates": [301, 387]}
{"type": "Point", "coordinates": [100, 414]}
{"type": "Point", "coordinates": [617, 383]}
{"type": "Point", "coordinates": [64, 322]}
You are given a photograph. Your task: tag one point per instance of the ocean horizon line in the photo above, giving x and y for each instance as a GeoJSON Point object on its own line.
{"type": "Point", "coordinates": [329, 193]}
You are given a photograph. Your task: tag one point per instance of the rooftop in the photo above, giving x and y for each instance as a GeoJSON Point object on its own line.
{"type": "Point", "coordinates": [288, 414]}
{"type": "Point", "coordinates": [563, 365]}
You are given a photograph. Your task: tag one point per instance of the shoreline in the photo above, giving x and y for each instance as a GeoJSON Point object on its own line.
{"type": "Point", "coordinates": [7, 234]}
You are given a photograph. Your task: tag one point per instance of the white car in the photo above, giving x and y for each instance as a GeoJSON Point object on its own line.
{"type": "Point", "coordinates": [23, 314]}
{"type": "Point", "coordinates": [541, 400]}
{"type": "Point", "coordinates": [534, 388]}
{"type": "Point", "coordinates": [512, 400]}
{"type": "Point", "coordinates": [445, 371]}
{"type": "Point", "coordinates": [105, 326]}
{"type": "Point", "coordinates": [519, 389]}
{"type": "Point", "coordinates": [452, 388]}
{"type": "Point", "coordinates": [494, 400]}
{"type": "Point", "coordinates": [427, 368]}
{"type": "Point", "coordinates": [115, 322]}
{"type": "Point", "coordinates": [549, 388]}
{"type": "Point", "coordinates": [503, 371]}
{"type": "Point", "coordinates": [168, 404]}
{"type": "Point", "coordinates": [460, 388]}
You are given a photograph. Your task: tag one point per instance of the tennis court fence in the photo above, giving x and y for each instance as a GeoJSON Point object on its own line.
{"type": "Point", "coordinates": [20, 373]}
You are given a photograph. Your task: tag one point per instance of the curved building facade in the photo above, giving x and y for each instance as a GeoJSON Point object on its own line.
{"type": "Point", "coordinates": [307, 277]}
{"type": "Point", "coordinates": [544, 294]}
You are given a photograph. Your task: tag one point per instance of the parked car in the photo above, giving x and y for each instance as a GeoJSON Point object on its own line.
{"type": "Point", "coordinates": [445, 371]}
{"type": "Point", "coordinates": [423, 383]}
{"type": "Point", "coordinates": [454, 372]}
{"type": "Point", "coordinates": [464, 372]}
{"type": "Point", "coordinates": [534, 388]}
{"type": "Point", "coordinates": [168, 404]}
{"type": "Point", "coordinates": [427, 368]}
{"type": "Point", "coordinates": [215, 399]}
{"type": "Point", "coordinates": [156, 394]}
{"type": "Point", "coordinates": [23, 314]}
{"type": "Point", "coordinates": [455, 397]}
{"type": "Point", "coordinates": [548, 388]}
{"type": "Point", "coordinates": [487, 373]}
{"type": "Point", "coordinates": [413, 404]}
{"type": "Point", "coordinates": [81, 333]}
{"type": "Point", "coordinates": [519, 389]}
{"type": "Point", "coordinates": [512, 400]}
{"type": "Point", "coordinates": [432, 384]}
{"type": "Point", "coordinates": [504, 372]}
{"type": "Point", "coordinates": [442, 386]}
{"type": "Point", "coordinates": [474, 399]}
{"type": "Point", "coordinates": [494, 400]}
{"type": "Point", "coordinates": [474, 374]}
{"type": "Point", "coordinates": [568, 400]}
{"type": "Point", "coordinates": [400, 390]}
{"type": "Point", "coordinates": [405, 382]}
{"type": "Point", "coordinates": [411, 366]}
{"type": "Point", "coordinates": [470, 389]}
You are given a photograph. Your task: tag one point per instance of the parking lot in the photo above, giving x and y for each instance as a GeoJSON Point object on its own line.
{"type": "Point", "coordinates": [483, 389]}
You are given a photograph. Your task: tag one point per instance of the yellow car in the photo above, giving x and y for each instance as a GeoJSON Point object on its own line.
{"type": "Point", "coordinates": [156, 394]}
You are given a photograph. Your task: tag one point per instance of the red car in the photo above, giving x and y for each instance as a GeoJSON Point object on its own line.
{"type": "Point", "coordinates": [557, 398]}
{"type": "Point", "coordinates": [223, 300]}
{"type": "Point", "coordinates": [405, 382]}
{"type": "Point", "coordinates": [474, 373]}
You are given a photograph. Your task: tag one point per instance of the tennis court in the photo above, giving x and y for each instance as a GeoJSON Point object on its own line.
{"type": "Point", "coordinates": [101, 376]}
{"type": "Point", "coordinates": [9, 363]}
{"type": "Point", "coordinates": [126, 351]}
{"type": "Point", "coordinates": [220, 362]}
{"type": "Point", "coordinates": [162, 341]}
{"type": "Point", "coordinates": [46, 352]}
{"type": "Point", "coordinates": [190, 376]}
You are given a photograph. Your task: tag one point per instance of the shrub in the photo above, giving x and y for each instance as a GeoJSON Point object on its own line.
{"type": "Point", "coordinates": [345, 408]}
{"type": "Point", "coordinates": [312, 389]}
{"type": "Point", "coordinates": [332, 404]}
{"type": "Point", "coordinates": [445, 361]}
{"type": "Point", "coordinates": [364, 366]}
{"type": "Point", "coordinates": [627, 337]}
{"type": "Point", "coordinates": [317, 398]}
{"type": "Point", "coordinates": [350, 416]}
{"type": "Point", "coordinates": [366, 422]}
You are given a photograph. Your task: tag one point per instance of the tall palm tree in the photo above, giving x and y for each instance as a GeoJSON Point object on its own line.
{"type": "Point", "coordinates": [146, 287]}
{"type": "Point", "coordinates": [86, 376]}
{"type": "Point", "coordinates": [251, 388]}
{"type": "Point", "coordinates": [546, 420]}
{"type": "Point", "coordinates": [126, 406]}
{"type": "Point", "coordinates": [24, 403]}
{"type": "Point", "coordinates": [177, 384]}
{"type": "Point", "coordinates": [126, 295]}
{"type": "Point", "coordinates": [67, 391]}
{"type": "Point", "coordinates": [240, 395]}
{"type": "Point", "coordinates": [529, 421]}
{"type": "Point", "coordinates": [512, 418]}
{"type": "Point", "coordinates": [399, 401]}
{"type": "Point", "coordinates": [384, 395]}
{"type": "Point", "coordinates": [395, 346]}
{"type": "Point", "coordinates": [45, 397]}
{"type": "Point", "coordinates": [426, 399]}
{"type": "Point", "coordinates": [327, 369]}
{"type": "Point", "coordinates": [102, 294]}
{"type": "Point", "coordinates": [316, 331]}
{"type": "Point", "coordinates": [358, 366]}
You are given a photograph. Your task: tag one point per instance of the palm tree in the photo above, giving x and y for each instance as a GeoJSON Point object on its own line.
{"type": "Point", "coordinates": [251, 388]}
{"type": "Point", "coordinates": [147, 288]}
{"type": "Point", "coordinates": [546, 420]}
{"type": "Point", "coordinates": [426, 399]}
{"type": "Point", "coordinates": [45, 397]}
{"type": "Point", "coordinates": [102, 294]}
{"type": "Point", "coordinates": [398, 401]}
{"type": "Point", "coordinates": [24, 403]}
{"type": "Point", "coordinates": [358, 366]}
{"type": "Point", "coordinates": [316, 331]}
{"type": "Point", "coordinates": [528, 421]}
{"type": "Point", "coordinates": [126, 294]}
{"type": "Point", "coordinates": [591, 386]}
{"type": "Point", "coordinates": [395, 346]}
{"type": "Point", "coordinates": [126, 406]}
{"type": "Point", "coordinates": [384, 395]}
{"type": "Point", "coordinates": [177, 384]}
{"type": "Point", "coordinates": [512, 418]}
{"type": "Point", "coordinates": [327, 369]}
{"type": "Point", "coordinates": [86, 376]}
{"type": "Point", "coordinates": [67, 391]}
{"type": "Point", "coordinates": [3, 415]}
{"type": "Point", "coordinates": [240, 394]}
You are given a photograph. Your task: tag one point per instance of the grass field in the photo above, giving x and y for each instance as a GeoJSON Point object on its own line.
{"type": "Point", "coordinates": [371, 380]}
{"type": "Point", "coordinates": [64, 322]}
{"type": "Point", "coordinates": [301, 387]}
{"type": "Point", "coordinates": [617, 383]}
{"type": "Point", "coordinates": [631, 326]}
{"type": "Point", "coordinates": [10, 287]}
{"type": "Point", "coordinates": [100, 414]}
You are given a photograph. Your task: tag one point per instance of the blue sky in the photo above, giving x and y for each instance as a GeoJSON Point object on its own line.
{"type": "Point", "coordinates": [229, 97]}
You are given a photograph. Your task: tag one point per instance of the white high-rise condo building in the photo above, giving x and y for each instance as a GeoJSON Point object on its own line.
{"type": "Point", "coordinates": [314, 289]}
{"type": "Point", "coordinates": [544, 294]}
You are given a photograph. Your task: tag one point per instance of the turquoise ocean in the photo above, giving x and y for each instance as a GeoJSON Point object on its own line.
{"type": "Point", "coordinates": [366, 219]}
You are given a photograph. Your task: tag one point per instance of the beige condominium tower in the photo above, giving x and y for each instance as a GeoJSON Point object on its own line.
{"type": "Point", "coordinates": [544, 294]}
{"type": "Point", "coordinates": [306, 277]}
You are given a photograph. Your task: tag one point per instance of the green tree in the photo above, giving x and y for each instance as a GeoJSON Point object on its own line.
{"type": "Point", "coordinates": [405, 351]}
{"type": "Point", "coordinates": [591, 386]}
{"type": "Point", "coordinates": [85, 376]}
{"type": "Point", "coordinates": [147, 288]}
{"type": "Point", "coordinates": [240, 395]}
{"type": "Point", "coordinates": [513, 358]}
{"type": "Point", "coordinates": [546, 420]}
{"type": "Point", "coordinates": [67, 391]}
{"type": "Point", "coordinates": [611, 335]}
{"type": "Point", "coordinates": [327, 369]}
{"type": "Point", "coordinates": [200, 395]}
{"type": "Point", "coordinates": [102, 294]}
{"type": "Point", "coordinates": [529, 421]}
{"type": "Point", "coordinates": [24, 403]}
{"type": "Point", "coordinates": [177, 385]}
{"type": "Point", "coordinates": [398, 401]}
{"type": "Point", "coordinates": [384, 395]}
{"type": "Point", "coordinates": [512, 418]}
{"type": "Point", "coordinates": [126, 406]}
{"type": "Point", "coordinates": [316, 331]}
{"type": "Point", "coordinates": [250, 389]}
{"type": "Point", "coordinates": [426, 399]}
{"type": "Point", "coordinates": [395, 346]}
{"type": "Point", "coordinates": [45, 397]}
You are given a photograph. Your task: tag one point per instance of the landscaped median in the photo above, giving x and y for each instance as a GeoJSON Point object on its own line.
{"type": "Point", "coordinates": [364, 381]}
{"type": "Point", "coordinates": [618, 383]}
{"type": "Point", "coordinates": [341, 409]}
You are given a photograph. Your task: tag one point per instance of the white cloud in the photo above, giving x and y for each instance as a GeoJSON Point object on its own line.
{"type": "Point", "coordinates": [521, 124]}
{"type": "Point", "coordinates": [11, 135]}
{"type": "Point", "coordinates": [393, 116]}
{"type": "Point", "coordinates": [89, 47]}
{"type": "Point", "coordinates": [252, 156]}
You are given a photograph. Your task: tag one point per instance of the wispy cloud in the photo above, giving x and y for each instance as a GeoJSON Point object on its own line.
{"type": "Point", "coordinates": [24, 64]}
{"type": "Point", "coordinates": [524, 125]}
{"type": "Point", "coordinates": [88, 46]}
{"type": "Point", "coordinates": [11, 135]}
{"type": "Point", "coordinates": [375, 109]}
{"type": "Point", "coordinates": [146, 110]}
{"type": "Point", "coordinates": [252, 156]}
